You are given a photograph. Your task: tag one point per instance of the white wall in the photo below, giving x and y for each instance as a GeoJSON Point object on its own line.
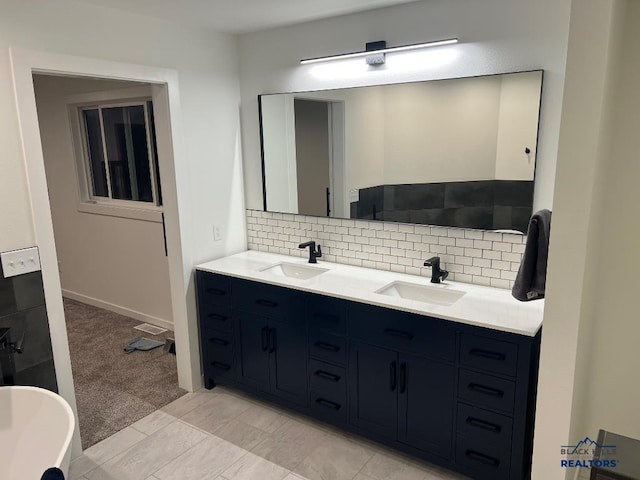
{"type": "Point", "coordinates": [518, 126]}
{"type": "Point", "coordinates": [103, 259]}
{"type": "Point", "coordinates": [279, 138]}
{"type": "Point", "coordinates": [441, 131]}
{"type": "Point", "coordinates": [607, 393]}
{"type": "Point", "coordinates": [573, 246]}
{"type": "Point", "coordinates": [209, 175]}
{"type": "Point", "coordinates": [496, 36]}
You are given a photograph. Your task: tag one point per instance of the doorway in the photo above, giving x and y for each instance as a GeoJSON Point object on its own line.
{"type": "Point", "coordinates": [103, 178]}
{"type": "Point", "coordinates": [319, 150]}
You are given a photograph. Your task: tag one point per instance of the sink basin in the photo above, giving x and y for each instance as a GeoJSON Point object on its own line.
{"type": "Point", "coordinates": [294, 270]}
{"type": "Point", "coordinates": [422, 293]}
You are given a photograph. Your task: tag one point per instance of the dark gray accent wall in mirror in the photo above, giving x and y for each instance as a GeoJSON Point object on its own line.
{"type": "Point", "coordinates": [457, 152]}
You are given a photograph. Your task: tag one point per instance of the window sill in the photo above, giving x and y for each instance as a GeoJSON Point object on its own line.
{"type": "Point", "coordinates": [143, 214]}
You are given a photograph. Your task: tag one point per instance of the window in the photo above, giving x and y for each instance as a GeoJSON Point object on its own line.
{"type": "Point", "coordinates": [120, 162]}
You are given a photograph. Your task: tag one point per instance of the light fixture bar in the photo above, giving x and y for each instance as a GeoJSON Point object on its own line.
{"type": "Point", "coordinates": [403, 48]}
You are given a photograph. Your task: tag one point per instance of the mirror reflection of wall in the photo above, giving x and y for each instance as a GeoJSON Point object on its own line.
{"type": "Point", "coordinates": [457, 152]}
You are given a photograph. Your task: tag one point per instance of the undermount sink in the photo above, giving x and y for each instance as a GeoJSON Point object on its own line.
{"type": "Point", "coordinates": [294, 270]}
{"type": "Point", "coordinates": [422, 293]}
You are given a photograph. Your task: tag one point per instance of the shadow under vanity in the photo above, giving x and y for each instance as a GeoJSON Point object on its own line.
{"type": "Point", "coordinates": [444, 383]}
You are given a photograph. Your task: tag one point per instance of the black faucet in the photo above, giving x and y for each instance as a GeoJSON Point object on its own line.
{"type": "Point", "coordinates": [437, 275]}
{"type": "Point", "coordinates": [313, 253]}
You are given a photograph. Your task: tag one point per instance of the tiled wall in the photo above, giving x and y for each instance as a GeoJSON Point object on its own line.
{"type": "Point", "coordinates": [471, 256]}
{"type": "Point", "coordinates": [23, 311]}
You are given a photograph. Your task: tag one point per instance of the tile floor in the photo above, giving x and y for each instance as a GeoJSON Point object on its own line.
{"type": "Point", "coordinates": [223, 435]}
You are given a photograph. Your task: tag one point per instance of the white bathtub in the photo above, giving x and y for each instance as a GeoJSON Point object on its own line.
{"type": "Point", "coordinates": [36, 427]}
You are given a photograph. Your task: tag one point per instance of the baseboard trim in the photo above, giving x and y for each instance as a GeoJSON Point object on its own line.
{"type": "Point", "coordinates": [143, 317]}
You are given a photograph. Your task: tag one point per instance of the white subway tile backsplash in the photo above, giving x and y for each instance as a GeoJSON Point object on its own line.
{"type": "Point", "coordinates": [472, 256]}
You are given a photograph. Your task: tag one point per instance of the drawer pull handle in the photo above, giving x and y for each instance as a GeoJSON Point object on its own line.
{"type": "Point", "coordinates": [327, 346]}
{"type": "Point", "coordinates": [266, 303]}
{"type": "Point", "coordinates": [487, 460]}
{"type": "Point", "coordinates": [221, 366]}
{"type": "Point", "coordinates": [216, 291]}
{"type": "Point", "coordinates": [403, 377]}
{"type": "Point", "coordinates": [487, 354]}
{"type": "Point", "coordinates": [327, 376]}
{"type": "Point", "coordinates": [219, 341]}
{"type": "Point", "coordinates": [326, 316]}
{"type": "Point", "coordinates": [328, 404]}
{"type": "Point", "coordinates": [272, 340]}
{"type": "Point", "coordinates": [265, 339]}
{"type": "Point", "coordinates": [494, 392]}
{"type": "Point", "coordinates": [398, 333]}
{"type": "Point", "coordinates": [217, 317]}
{"type": "Point", "coordinates": [476, 422]}
{"type": "Point", "coordinates": [392, 375]}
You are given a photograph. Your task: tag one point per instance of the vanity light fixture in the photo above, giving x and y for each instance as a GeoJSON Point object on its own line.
{"type": "Point", "coordinates": [375, 51]}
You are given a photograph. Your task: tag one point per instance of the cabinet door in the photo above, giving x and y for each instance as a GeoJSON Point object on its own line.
{"type": "Point", "coordinates": [288, 362]}
{"type": "Point", "coordinates": [426, 404]}
{"type": "Point", "coordinates": [253, 353]}
{"type": "Point", "coordinates": [373, 387]}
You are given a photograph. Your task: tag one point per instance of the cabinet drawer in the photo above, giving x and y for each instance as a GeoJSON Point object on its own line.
{"type": "Point", "coordinates": [485, 427]}
{"type": "Point", "coordinates": [218, 353]}
{"type": "Point", "coordinates": [486, 390]}
{"type": "Point", "coordinates": [269, 300]}
{"type": "Point", "coordinates": [327, 314]}
{"type": "Point", "coordinates": [212, 316]}
{"type": "Point", "coordinates": [330, 348]}
{"type": "Point", "coordinates": [328, 407]}
{"type": "Point", "coordinates": [484, 462]}
{"type": "Point", "coordinates": [328, 379]}
{"type": "Point", "coordinates": [489, 354]}
{"type": "Point", "coordinates": [410, 333]}
{"type": "Point", "coordinates": [213, 289]}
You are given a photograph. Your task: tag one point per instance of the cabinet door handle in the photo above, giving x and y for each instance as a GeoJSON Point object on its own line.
{"type": "Point", "coordinates": [215, 291]}
{"type": "Point", "coordinates": [327, 346]}
{"type": "Point", "coordinates": [398, 333]}
{"type": "Point", "coordinates": [477, 352]}
{"type": "Point", "coordinates": [217, 317]}
{"type": "Point", "coordinates": [328, 404]}
{"type": "Point", "coordinates": [476, 422]}
{"type": "Point", "coordinates": [221, 366]}
{"type": "Point", "coordinates": [494, 392]}
{"type": "Point", "coordinates": [327, 376]}
{"type": "Point", "coordinates": [487, 460]}
{"type": "Point", "coordinates": [219, 341]}
{"type": "Point", "coordinates": [392, 375]}
{"type": "Point", "coordinates": [266, 303]}
{"type": "Point", "coordinates": [403, 377]}
{"type": "Point", "coordinates": [265, 339]}
{"type": "Point", "coordinates": [326, 316]}
{"type": "Point", "coordinates": [272, 340]}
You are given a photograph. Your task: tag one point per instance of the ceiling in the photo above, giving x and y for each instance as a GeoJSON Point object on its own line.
{"type": "Point", "coordinates": [241, 16]}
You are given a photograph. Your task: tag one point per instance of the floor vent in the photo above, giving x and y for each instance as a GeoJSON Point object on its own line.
{"type": "Point", "coordinates": [152, 329]}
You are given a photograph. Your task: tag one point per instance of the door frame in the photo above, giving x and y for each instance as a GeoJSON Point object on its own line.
{"type": "Point", "coordinates": [175, 187]}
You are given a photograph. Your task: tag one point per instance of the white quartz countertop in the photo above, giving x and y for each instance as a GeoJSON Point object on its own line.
{"type": "Point", "coordinates": [487, 307]}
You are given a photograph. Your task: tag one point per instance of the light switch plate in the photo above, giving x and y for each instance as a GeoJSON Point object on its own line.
{"type": "Point", "coordinates": [18, 262]}
{"type": "Point", "coordinates": [354, 195]}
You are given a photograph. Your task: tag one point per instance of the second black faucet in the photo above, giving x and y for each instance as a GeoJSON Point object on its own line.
{"type": "Point", "coordinates": [313, 253]}
{"type": "Point", "coordinates": [437, 275]}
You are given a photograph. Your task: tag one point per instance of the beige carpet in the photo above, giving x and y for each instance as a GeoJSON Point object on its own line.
{"type": "Point", "coordinates": [115, 389]}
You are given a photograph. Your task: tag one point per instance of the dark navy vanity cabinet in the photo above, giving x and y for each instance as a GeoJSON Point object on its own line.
{"type": "Point", "coordinates": [456, 395]}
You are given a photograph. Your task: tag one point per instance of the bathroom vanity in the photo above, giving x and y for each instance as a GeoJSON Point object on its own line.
{"type": "Point", "coordinates": [445, 372]}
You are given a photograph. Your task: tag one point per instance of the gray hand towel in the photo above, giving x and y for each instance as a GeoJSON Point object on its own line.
{"type": "Point", "coordinates": [532, 275]}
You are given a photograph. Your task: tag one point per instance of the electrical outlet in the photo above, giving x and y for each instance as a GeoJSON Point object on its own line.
{"type": "Point", "coordinates": [217, 233]}
{"type": "Point", "coordinates": [18, 262]}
